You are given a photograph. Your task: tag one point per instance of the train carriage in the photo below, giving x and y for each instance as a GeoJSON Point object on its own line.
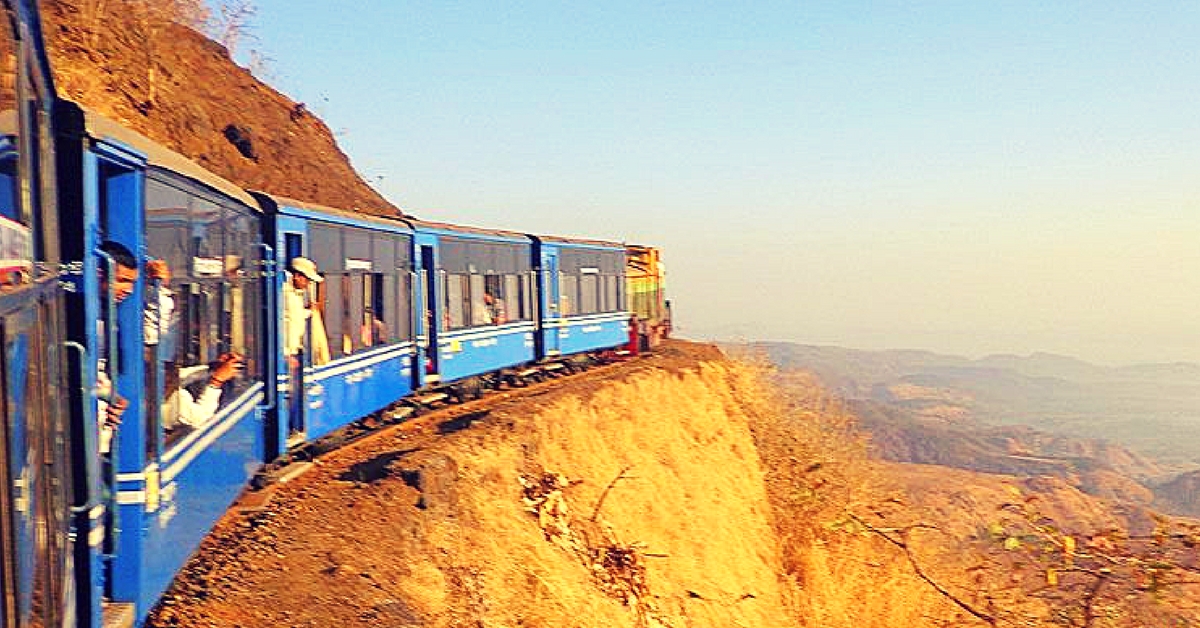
{"type": "Point", "coordinates": [358, 353]}
{"type": "Point", "coordinates": [477, 296]}
{"type": "Point", "coordinates": [582, 286]}
{"type": "Point", "coordinates": [649, 307]}
{"type": "Point", "coordinates": [37, 585]}
{"type": "Point", "coordinates": [182, 452]}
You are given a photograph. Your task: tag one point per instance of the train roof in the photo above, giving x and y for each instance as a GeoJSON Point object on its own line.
{"type": "Point", "coordinates": [445, 226]}
{"type": "Point", "coordinates": [347, 215]}
{"type": "Point", "coordinates": [581, 241]}
{"type": "Point", "coordinates": [160, 156]}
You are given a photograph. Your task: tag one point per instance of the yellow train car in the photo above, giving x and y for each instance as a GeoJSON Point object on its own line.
{"type": "Point", "coordinates": [645, 276]}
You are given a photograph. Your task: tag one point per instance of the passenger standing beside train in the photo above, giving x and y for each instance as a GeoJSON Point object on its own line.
{"type": "Point", "coordinates": [297, 313]}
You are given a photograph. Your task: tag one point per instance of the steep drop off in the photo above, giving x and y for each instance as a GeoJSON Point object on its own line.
{"type": "Point", "coordinates": [128, 61]}
{"type": "Point", "coordinates": [459, 525]}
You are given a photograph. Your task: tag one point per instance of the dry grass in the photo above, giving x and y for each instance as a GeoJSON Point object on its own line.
{"type": "Point", "coordinates": [693, 502]}
{"type": "Point", "coordinates": [836, 573]}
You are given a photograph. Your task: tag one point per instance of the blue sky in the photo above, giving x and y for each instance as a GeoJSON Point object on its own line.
{"type": "Point", "coordinates": [943, 175]}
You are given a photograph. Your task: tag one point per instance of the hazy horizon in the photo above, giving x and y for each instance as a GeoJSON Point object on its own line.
{"type": "Point", "coordinates": [885, 348]}
{"type": "Point", "coordinates": [961, 178]}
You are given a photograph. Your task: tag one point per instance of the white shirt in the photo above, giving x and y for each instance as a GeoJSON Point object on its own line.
{"type": "Point", "coordinates": [295, 320]}
{"type": "Point", "coordinates": [181, 408]}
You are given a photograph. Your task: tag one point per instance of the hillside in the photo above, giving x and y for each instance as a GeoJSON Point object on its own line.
{"type": "Point", "coordinates": [466, 522]}
{"type": "Point", "coordinates": [1180, 495]}
{"type": "Point", "coordinates": [677, 490]}
{"type": "Point", "coordinates": [927, 408]}
{"type": "Point", "coordinates": [128, 61]}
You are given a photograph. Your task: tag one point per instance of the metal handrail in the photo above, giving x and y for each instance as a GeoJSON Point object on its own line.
{"type": "Point", "coordinates": [110, 332]}
{"type": "Point", "coordinates": [89, 445]}
{"type": "Point", "coordinates": [157, 394]}
{"type": "Point", "coordinates": [269, 265]}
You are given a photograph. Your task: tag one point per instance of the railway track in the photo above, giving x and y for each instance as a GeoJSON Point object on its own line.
{"type": "Point", "coordinates": [408, 417]}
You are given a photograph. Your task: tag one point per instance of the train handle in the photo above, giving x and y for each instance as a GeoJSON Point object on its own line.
{"type": "Point", "coordinates": [413, 308]}
{"type": "Point", "coordinates": [89, 435]}
{"type": "Point", "coordinates": [157, 394]}
{"type": "Point", "coordinates": [268, 264]}
{"type": "Point", "coordinates": [114, 449]}
{"type": "Point", "coordinates": [110, 321]}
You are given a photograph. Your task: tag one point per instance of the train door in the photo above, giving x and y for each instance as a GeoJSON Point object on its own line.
{"type": "Point", "coordinates": [430, 323]}
{"type": "Point", "coordinates": [114, 186]}
{"type": "Point", "coordinates": [551, 316]}
{"type": "Point", "coordinates": [291, 244]}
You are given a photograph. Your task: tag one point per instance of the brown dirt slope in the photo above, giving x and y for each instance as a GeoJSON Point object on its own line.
{"type": "Point", "coordinates": [510, 516]}
{"type": "Point", "coordinates": [126, 60]}
{"type": "Point", "coordinates": [678, 490]}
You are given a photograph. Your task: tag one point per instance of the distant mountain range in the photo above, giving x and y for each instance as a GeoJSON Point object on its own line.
{"type": "Point", "coordinates": [1129, 433]}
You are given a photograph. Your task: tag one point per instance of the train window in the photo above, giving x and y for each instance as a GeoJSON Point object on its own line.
{"type": "Point", "coordinates": [206, 230]}
{"type": "Point", "coordinates": [210, 308]}
{"type": "Point", "coordinates": [8, 181]}
{"type": "Point", "coordinates": [512, 298]}
{"type": "Point", "coordinates": [168, 235]}
{"type": "Point", "coordinates": [480, 315]}
{"type": "Point", "coordinates": [358, 249]}
{"type": "Point", "coordinates": [387, 312]}
{"type": "Point", "coordinates": [16, 253]}
{"type": "Point", "coordinates": [401, 322]}
{"type": "Point", "coordinates": [356, 303]}
{"type": "Point", "coordinates": [374, 328]}
{"type": "Point", "coordinates": [589, 292]}
{"type": "Point", "coordinates": [611, 300]}
{"type": "Point", "coordinates": [526, 297]}
{"type": "Point", "coordinates": [343, 337]}
{"type": "Point", "coordinates": [325, 247]}
{"type": "Point", "coordinates": [568, 291]}
{"type": "Point", "coordinates": [457, 306]}
{"type": "Point", "coordinates": [329, 304]}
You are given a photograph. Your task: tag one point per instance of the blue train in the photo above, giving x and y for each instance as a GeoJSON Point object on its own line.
{"type": "Point", "coordinates": [167, 334]}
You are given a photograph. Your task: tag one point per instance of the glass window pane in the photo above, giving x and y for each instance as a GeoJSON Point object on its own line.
{"type": "Point", "coordinates": [358, 249]}
{"type": "Point", "coordinates": [402, 321]}
{"type": "Point", "coordinates": [480, 314]}
{"type": "Point", "coordinates": [383, 253]}
{"type": "Point", "coordinates": [588, 291]}
{"type": "Point", "coordinates": [207, 236]}
{"type": "Point", "coordinates": [325, 247]}
{"type": "Point", "coordinates": [168, 236]}
{"type": "Point", "coordinates": [455, 300]}
{"type": "Point", "coordinates": [512, 297]}
{"type": "Point", "coordinates": [568, 293]}
{"type": "Point", "coordinates": [385, 305]}
{"type": "Point", "coordinates": [526, 297]}
{"type": "Point", "coordinates": [330, 304]}
{"type": "Point", "coordinates": [349, 313]}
